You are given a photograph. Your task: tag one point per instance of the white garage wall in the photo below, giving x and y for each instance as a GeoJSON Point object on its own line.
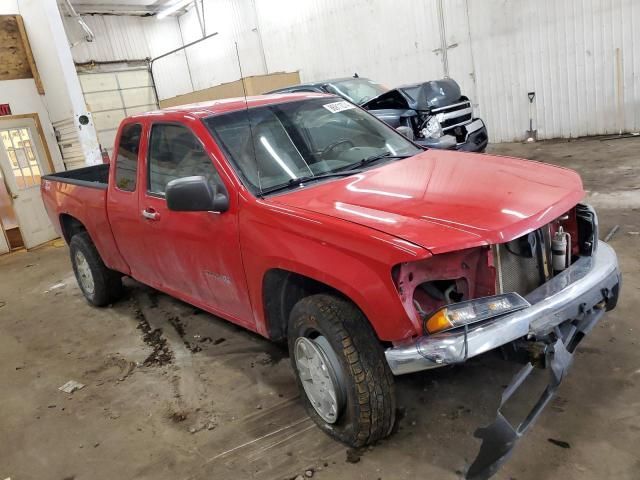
{"type": "Point", "coordinates": [566, 53]}
{"type": "Point", "coordinates": [501, 49]}
{"type": "Point", "coordinates": [388, 41]}
{"type": "Point", "coordinates": [134, 38]}
{"type": "Point", "coordinates": [214, 61]}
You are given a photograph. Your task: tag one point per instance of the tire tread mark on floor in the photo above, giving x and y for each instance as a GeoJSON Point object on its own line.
{"type": "Point", "coordinates": [269, 445]}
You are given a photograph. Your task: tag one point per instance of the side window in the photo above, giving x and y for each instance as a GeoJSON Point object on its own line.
{"type": "Point", "coordinates": [175, 152]}
{"type": "Point", "coordinates": [127, 157]}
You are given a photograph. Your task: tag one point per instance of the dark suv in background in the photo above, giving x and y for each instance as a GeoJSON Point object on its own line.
{"type": "Point", "coordinates": [434, 114]}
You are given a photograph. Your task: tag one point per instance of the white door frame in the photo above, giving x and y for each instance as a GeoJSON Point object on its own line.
{"type": "Point", "coordinates": [29, 209]}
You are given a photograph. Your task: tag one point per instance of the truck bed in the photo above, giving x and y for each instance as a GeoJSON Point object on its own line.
{"type": "Point", "coordinates": [95, 176]}
{"type": "Point", "coordinates": [81, 195]}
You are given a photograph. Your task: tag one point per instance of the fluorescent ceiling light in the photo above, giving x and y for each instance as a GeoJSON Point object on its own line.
{"type": "Point", "coordinates": [173, 8]}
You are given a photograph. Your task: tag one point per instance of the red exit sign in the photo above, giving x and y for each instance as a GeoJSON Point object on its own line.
{"type": "Point", "coordinates": [5, 109]}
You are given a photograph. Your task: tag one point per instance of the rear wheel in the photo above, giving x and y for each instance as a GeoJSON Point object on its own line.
{"type": "Point", "coordinates": [99, 284]}
{"type": "Point", "coordinates": [344, 379]}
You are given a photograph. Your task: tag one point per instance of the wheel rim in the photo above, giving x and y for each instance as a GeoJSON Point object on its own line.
{"type": "Point", "coordinates": [319, 373]}
{"type": "Point", "coordinates": [85, 278]}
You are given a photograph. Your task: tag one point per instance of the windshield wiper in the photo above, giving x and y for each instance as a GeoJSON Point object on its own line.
{"type": "Point", "coordinates": [338, 172]}
{"type": "Point", "coordinates": [294, 182]}
{"type": "Point", "coordinates": [374, 158]}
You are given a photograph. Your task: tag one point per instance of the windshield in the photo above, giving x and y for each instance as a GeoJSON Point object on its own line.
{"type": "Point", "coordinates": [357, 90]}
{"type": "Point", "coordinates": [302, 139]}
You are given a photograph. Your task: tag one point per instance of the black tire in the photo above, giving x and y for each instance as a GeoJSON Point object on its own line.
{"type": "Point", "coordinates": [107, 283]}
{"type": "Point", "coordinates": [368, 411]}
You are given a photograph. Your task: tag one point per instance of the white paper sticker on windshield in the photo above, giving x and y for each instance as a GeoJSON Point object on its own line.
{"type": "Point", "coordinates": [336, 107]}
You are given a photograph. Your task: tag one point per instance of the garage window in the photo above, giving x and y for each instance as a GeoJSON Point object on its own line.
{"type": "Point", "coordinates": [175, 152]}
{"type": "Point", "coordinates": [127, 159]}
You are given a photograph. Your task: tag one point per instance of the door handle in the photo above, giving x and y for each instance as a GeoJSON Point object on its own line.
{"type": "Point", "coordinates": [150, 214]}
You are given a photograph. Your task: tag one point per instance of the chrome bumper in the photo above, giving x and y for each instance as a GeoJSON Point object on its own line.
{"type": "Point", "coordinates": [568, 295]}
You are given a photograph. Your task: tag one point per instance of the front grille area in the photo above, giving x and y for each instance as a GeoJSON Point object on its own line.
{"type": "Point", "coordinates": [525, 263]}
{"type": "Point", "coordinates": [454, 115]}
{"type": "Point", "coordinates": [454, 122]}
{"type": "Point", "coordinates": [515, 273]}
{"type": "Point", "coordinates": [522, 264]}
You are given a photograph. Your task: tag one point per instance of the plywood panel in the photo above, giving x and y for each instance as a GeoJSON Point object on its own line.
{"type": "Point", "coordinates": [14, 63]}
{"type": "Point", "coordinates": [30, 59]}
{"type": "Point", "coordinates": [265, 83]}
{"type": "Point", "coordinates": [255, 85]}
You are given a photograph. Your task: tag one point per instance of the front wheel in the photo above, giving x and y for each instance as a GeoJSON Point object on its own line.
{"type": "Point", "coordinates": [99, 284]}
{"type": "Point", "coordinates": [344, 379]}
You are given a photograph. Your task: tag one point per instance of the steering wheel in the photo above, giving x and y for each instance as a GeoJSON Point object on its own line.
{"type": "Point", "coordinates": [332, 146]}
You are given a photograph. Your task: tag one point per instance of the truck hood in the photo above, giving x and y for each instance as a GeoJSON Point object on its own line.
{"type": "Point", "coordinates": [417, 96]}
{"type": "Point", "coordinates": [446, 201]}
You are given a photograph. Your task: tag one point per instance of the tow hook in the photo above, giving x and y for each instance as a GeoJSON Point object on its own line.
{"type": "Point", "coordinates": [527, 351]}
{"type": "Point", "coordinates": [537, 353]}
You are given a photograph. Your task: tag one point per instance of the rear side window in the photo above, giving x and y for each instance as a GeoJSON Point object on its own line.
{"type": "Point", "coordinates": [175, 152]}
{"type": "Point", "coordinates": [127, 157]}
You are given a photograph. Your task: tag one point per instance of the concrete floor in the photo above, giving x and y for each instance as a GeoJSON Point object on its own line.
{"type": "Point", "coordinates": [226, 405]}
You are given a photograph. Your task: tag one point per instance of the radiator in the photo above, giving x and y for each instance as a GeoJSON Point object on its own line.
{"type": "Point", "coordinates": [516, 272]}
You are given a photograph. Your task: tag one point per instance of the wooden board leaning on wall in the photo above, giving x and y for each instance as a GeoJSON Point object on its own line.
{"type": "Point", "coordinates": [16, 57]}
{"type": "Point", "coordinates": [254, 85]}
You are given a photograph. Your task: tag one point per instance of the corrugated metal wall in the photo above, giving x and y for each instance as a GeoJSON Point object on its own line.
{"type": "Point", "coordinates": [566, 53]}
{"type": "Point", "coordinates": [499, 50]}
{"type": "Point", "coordinates": [214, 61]}
{"type": "Point", "coordinates": [134, 38]}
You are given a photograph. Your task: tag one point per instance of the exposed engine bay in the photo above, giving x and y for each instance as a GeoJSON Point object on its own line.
{"type": "Point", "coordinates": [520, 265]}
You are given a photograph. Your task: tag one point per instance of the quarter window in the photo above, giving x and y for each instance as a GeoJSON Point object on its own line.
{"type": "Point", "coordinates": [127, 157]}
{"type": "Point", "coordinates": [175, 152]}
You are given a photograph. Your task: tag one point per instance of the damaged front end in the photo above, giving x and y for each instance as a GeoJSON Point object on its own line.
{"type": "Point", "coordinates": [434, 114]}
{"type": "Point", "coordinates": [536, 296]}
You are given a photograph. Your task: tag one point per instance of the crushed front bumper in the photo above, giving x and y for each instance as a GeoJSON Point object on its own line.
{"type": "Point", "coordinates": [476, 139]}
{"type": "Point", "coordinates": [578, 291]}
{"type": "Point", "coordinates": [562, 312]}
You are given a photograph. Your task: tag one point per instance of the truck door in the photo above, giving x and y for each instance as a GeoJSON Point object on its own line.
{"type": "Point", "coordinates": [122, 202]}
{"type": "Point", "coordinates": [197, 254]}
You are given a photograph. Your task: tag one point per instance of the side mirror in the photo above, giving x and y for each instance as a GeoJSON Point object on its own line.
{"type": "Point", "coordinates": [195, 194]}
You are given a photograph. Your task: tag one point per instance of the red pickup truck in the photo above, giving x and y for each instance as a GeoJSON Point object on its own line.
{"type": "Point", "coordinates": [304, 218]}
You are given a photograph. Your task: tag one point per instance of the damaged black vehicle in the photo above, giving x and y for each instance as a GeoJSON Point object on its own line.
{"type": "Point", "coordinates": [433, 114]}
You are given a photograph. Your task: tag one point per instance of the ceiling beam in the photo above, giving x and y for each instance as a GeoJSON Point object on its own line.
{"type": "Point", "coordinates": [116, 9]}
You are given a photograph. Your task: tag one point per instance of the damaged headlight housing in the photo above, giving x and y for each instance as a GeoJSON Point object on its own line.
{"type": "Point", "coordinates": [472, 311]}
{"type": "Point", "coordinates": [432, 129]}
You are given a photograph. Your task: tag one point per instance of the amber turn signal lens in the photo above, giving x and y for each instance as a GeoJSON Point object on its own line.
{"type": "Point", "coordinates": [473, 311]}
{"type": "Point", "coordinates": [438, 321]}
